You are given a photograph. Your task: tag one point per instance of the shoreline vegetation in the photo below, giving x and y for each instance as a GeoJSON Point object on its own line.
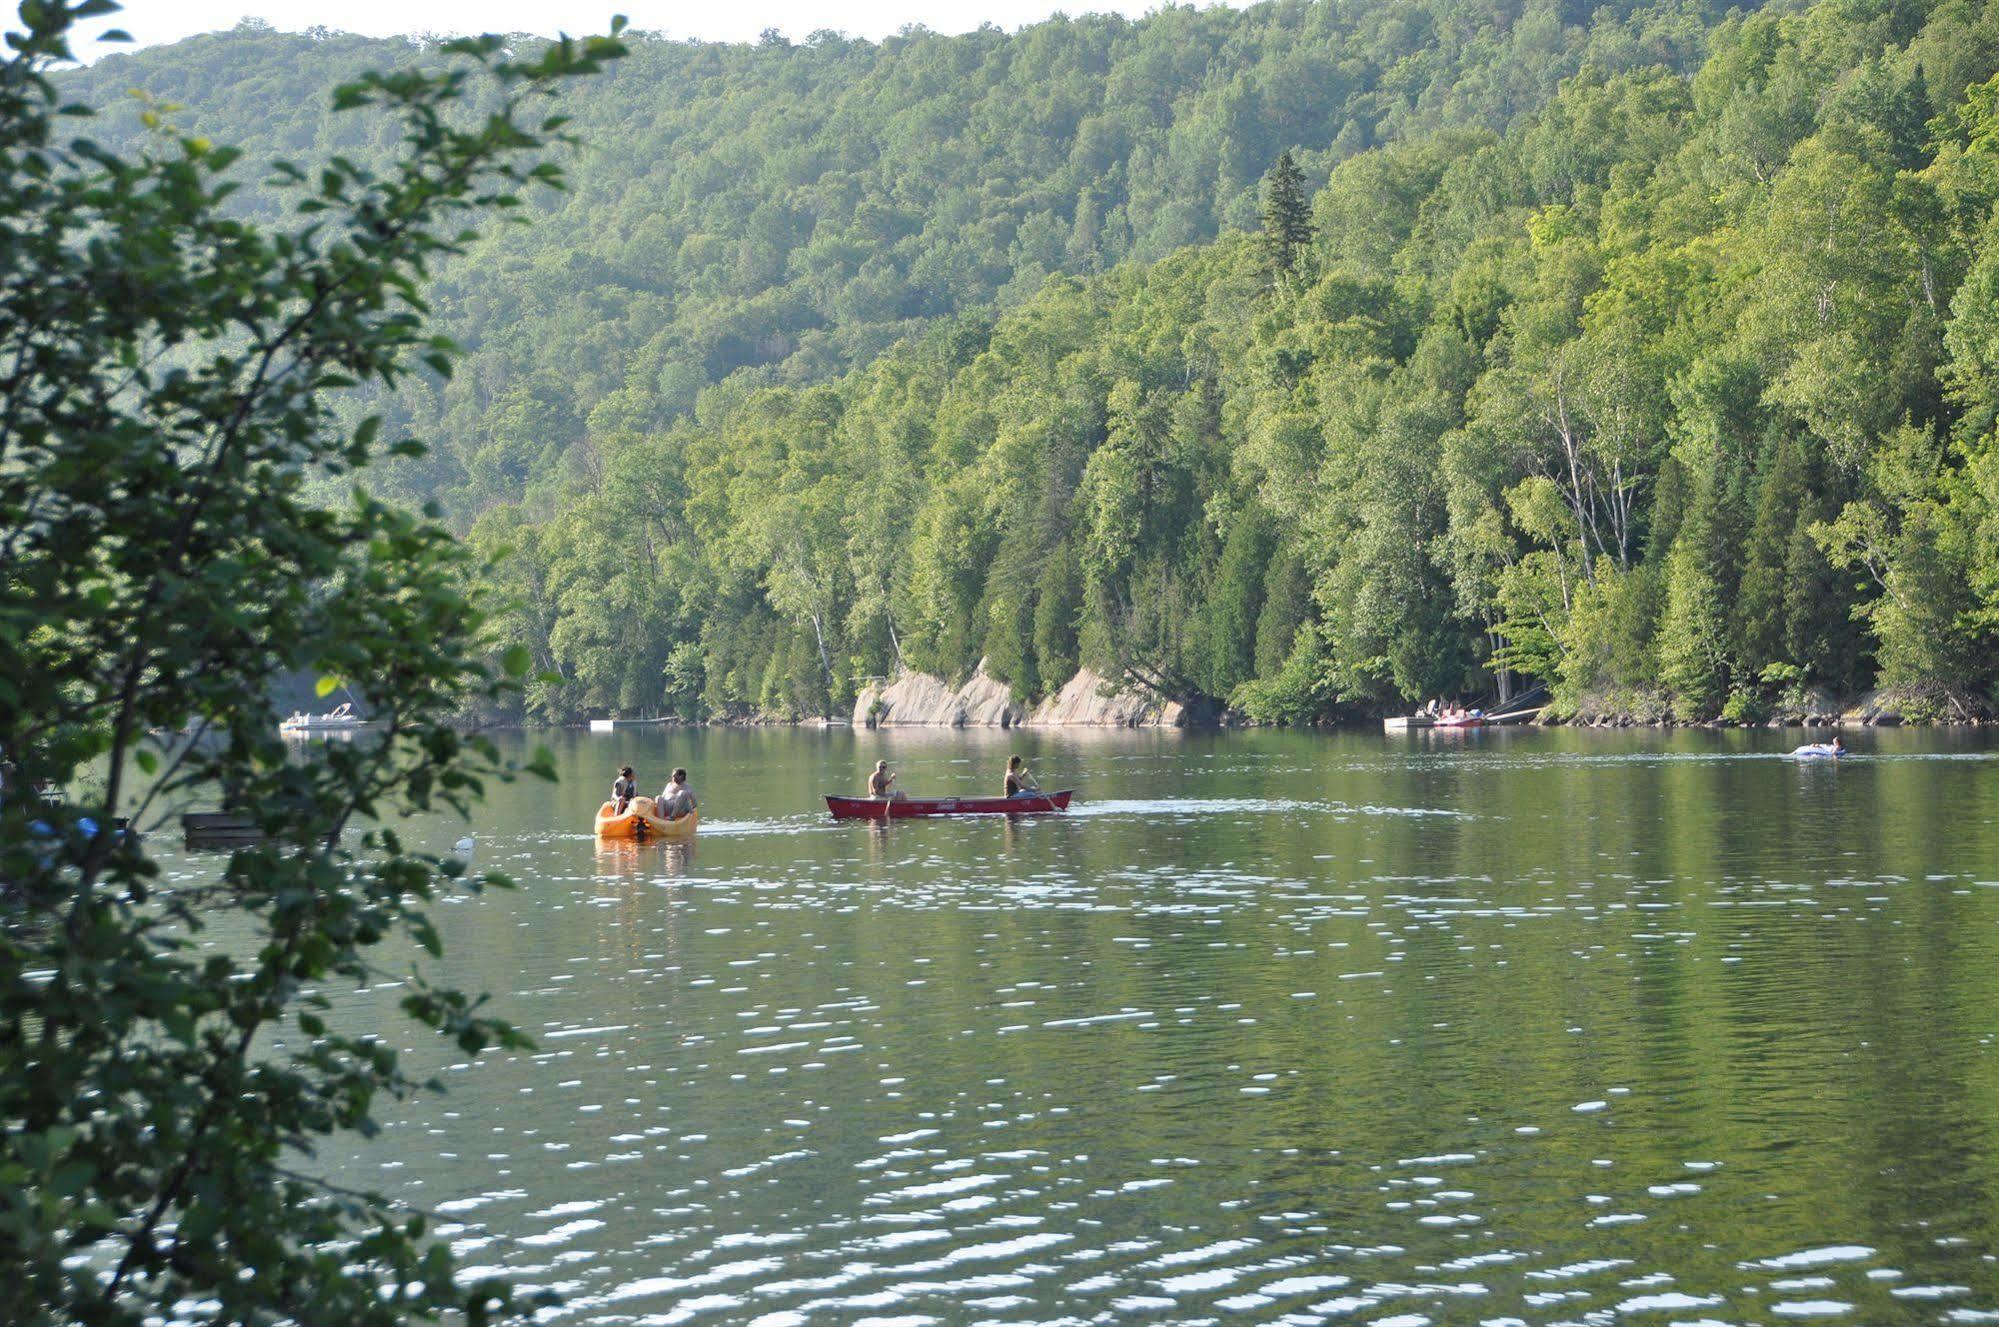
{"type": "Point", "coordinates": [918, 700]}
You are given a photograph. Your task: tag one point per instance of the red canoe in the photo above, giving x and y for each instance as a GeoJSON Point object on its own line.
{"type": "Point", "coordinates": [873, 808]}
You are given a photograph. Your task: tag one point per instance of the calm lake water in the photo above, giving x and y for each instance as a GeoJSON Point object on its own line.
{"type": "Point", "coordinates": [1514, 1027]}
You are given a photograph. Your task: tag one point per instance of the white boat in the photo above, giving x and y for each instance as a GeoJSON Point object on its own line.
{"type": "Point", "coordinates": [1819, 751]}
{"type": "Point", "coordinates": [334, 720]}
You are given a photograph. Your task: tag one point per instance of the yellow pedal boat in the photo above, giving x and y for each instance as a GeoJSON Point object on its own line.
{"type": "Point", "coordinates": [638, 822]}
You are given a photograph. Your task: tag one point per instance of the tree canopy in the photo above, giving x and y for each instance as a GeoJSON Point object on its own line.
{"type": "Point", "coordinates": [783, 214]}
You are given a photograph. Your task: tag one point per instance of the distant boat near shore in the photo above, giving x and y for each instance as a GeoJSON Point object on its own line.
{"type": "Point", "coordinates": [339, 719]}
{"type": "Point", "coordinates": [1403, 723]}
{"type": "Point", "coordinates": [613, 725]}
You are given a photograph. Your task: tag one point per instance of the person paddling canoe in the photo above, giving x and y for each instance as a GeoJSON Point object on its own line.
{"type": "Point", "coordinates": [879, 781]}
{"type": "Point", "coordinates": [1019, 782]}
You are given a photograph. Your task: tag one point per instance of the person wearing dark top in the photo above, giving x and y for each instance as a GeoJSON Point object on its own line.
{"type": "Point", "coordinates": [624, 788]}
{"type": "Point", "coordinates": [1018, 781]}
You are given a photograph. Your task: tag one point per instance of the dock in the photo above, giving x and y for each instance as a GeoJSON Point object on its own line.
{"type": "Point", "coordinates": [219, 829]}
{"type": "Point", "coordinates": [613, 725]}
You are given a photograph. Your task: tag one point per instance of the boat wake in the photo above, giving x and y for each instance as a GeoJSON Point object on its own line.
{"type": "Point", "coordinates": [1190, 807]}
{"type": "Point", "coordinates": [743, 829]}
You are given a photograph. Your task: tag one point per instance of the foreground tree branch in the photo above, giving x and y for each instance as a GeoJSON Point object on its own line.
{"type": "Point", "coordinates": [170, 376]}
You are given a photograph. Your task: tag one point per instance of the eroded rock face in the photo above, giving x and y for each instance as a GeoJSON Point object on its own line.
{"type": "Point", "coordinates": [1891, 706]}
{"type": "Point", "coordinates": [1087, 702]}
{"type": "Point", "coordinates": [920, 700]}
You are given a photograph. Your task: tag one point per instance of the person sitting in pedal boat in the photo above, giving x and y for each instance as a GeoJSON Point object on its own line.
{"type": "Point", "coordinates": [624, 788]}
{"type": "Point", "coordinates": [676, 799]}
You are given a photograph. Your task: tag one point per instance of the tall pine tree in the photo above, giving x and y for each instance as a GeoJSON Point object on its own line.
{"type": "Point", "coordinates": [1287, 214]}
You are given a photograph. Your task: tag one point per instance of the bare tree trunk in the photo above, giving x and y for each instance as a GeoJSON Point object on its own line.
{"type": "Point", "coordinates": [825, 664]}
{"type": "Point", "coordinates": [1581, 503]}
{"type": "Point", "coordinates": [1622, 496]}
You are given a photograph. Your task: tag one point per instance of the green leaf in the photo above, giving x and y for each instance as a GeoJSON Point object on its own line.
{"type": "Point", "coordinates": [326, 686]}
{"type": "Point", "coordinates": [71, 1178]}
{"type": "Point", "coordinates": [517, 660]}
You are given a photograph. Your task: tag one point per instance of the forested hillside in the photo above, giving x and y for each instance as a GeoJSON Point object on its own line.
{"type": "Point", "coordinates": [1678, 395]}
{"type": "Point", "coordinates": [787, 212]}
{"type": "Point", "coordinates": [1653, 359]}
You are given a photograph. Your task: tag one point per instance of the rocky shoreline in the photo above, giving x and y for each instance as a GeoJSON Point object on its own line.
{"type": "Point", "coordinates": [1089, 700]}
{"type": "Point", "coordinates": [1888, 707]}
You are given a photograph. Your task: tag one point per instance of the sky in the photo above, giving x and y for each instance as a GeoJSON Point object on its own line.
{"type": "Point", "coordinates": [154, 21]}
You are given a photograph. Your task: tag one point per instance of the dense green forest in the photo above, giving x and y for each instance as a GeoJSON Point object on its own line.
{"type": "Point", "coordinates": [788, 212]}
{"type": "Point", "coordinates": [1650, 353]}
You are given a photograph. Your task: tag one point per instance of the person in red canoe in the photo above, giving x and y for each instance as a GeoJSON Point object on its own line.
{"type": "Point", "coordinates": [1020, 783]}
{"type": "Point", "coordinates": [624, 788]}
{"type": "Point", "coordinates": [879, 781]}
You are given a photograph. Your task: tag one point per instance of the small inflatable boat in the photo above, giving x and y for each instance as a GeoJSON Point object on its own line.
{"type": "Point", "coordinates": [1815, 750]}
{"type": "Point", "coordinates": [639, 822]}
{"type": "Point", "coordinates": [340, 719]}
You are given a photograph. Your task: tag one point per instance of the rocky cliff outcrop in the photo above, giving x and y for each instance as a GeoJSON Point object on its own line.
{"type": "Point", "coordinates": [1891, 706]}
{"type": "Point", "coordinates": [1087, 701]}
{"type": "Point", "coordinates": [922, 700]}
